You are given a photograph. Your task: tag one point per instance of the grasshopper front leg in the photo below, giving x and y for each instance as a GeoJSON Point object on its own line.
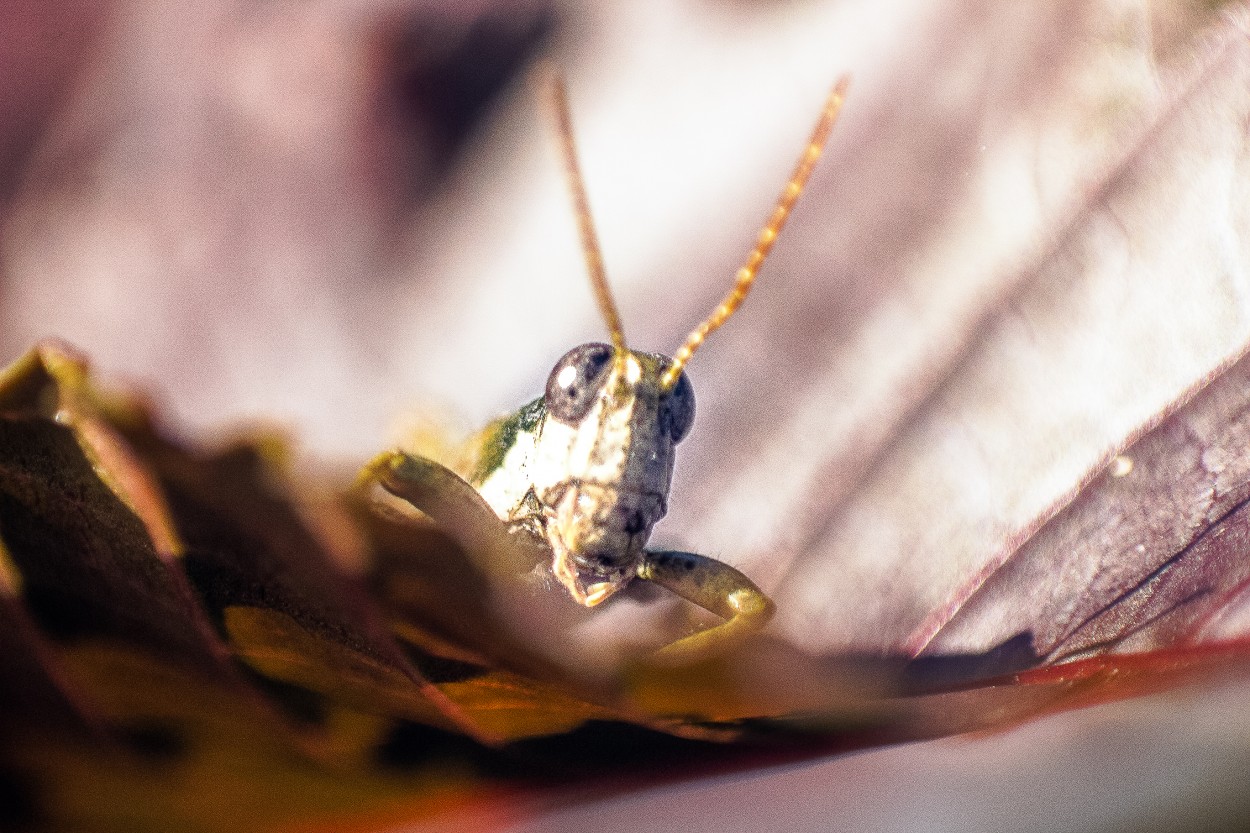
{"type": "Point", "coordinates": [453, 504]}
{"type": "Point", "coordinates": [713, 586]}
{"type": "Point", "coordinates": [460, 510]}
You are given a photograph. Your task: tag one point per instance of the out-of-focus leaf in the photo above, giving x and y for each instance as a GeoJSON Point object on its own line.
{"type": "Point", "coordinates": [1147, 548]}
{"type": "Point", "coordinates": [1146, 557]}
{"type": "Point", "coordinates": [83, 563]}
{"type": "Point", "coordinates": [1141, 293]}
{"type": "Point", "coordinates": [127, 710]}
{"type": "Point", "coordinates": [30, 695]}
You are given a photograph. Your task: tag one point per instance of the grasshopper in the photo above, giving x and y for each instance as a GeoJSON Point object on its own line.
{"type": "Point", "coordinates": [585, 469]}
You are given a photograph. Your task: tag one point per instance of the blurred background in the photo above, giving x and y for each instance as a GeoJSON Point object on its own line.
{"type": "Point", "coordinates": [334, 215]}
{"type": "Point", "coordinates": [326, 212]}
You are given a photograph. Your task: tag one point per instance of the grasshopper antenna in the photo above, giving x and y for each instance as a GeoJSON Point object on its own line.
{"type": "Point", "coordinates": [581, 205]}
{"type": "Point", "coordinates": [768, 235]}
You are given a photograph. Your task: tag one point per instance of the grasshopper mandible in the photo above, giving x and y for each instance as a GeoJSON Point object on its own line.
{"type": "Point", "coordinates": [585, 468]}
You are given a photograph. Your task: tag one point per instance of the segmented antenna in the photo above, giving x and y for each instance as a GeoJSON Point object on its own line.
{"type": "Point", "coordinates": [581, 205]}
{"type": "Point", "coordinates": [768, 235]}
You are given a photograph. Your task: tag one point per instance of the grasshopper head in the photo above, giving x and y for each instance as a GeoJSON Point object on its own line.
{"type": "Point", "coordinates": [604, 462]}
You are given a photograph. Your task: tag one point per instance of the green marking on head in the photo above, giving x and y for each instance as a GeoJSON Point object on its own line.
{"type": "Point", "coordinates": [501, 435]}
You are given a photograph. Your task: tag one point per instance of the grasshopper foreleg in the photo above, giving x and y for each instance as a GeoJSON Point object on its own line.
{"type": "Point", "coordinates": [453, 504]}
{"type": "Point", "coordinates": [713, 586]}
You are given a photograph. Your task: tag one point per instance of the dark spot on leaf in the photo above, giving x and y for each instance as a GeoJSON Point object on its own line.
{"type": "Point", "coordinates": [296, 702]}
{"type": "Point", "coordinates": [157, 742]}
{"type": "Point", "coordinates": [19, 801]}
{"type": "Point", "coordinates": [438, 669]}
{"type": "Point", "coordinates": [936, 672]}
{"type": "Point", "coordinates": [609, 746]}
{"type": "Point", "coordinates": [410, 746]}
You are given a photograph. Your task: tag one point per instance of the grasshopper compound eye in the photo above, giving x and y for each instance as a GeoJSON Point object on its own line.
{"type": "Point", "coordinates": [576, 380]}
{"type": "Point", "coordinates": [677, 409]}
